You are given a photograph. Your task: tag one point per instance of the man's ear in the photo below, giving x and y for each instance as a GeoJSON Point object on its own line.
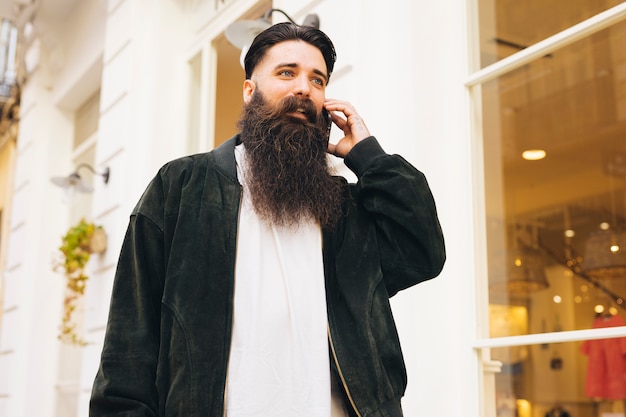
{"type": "Point", "coordinates": [248, 90]}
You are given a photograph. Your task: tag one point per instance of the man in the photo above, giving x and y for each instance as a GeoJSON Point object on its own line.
{"type": "Point", "coordinates": [251, 281]}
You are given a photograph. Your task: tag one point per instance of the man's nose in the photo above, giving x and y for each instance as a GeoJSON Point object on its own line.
{"type": "Point", "coordinates": [302, 87]}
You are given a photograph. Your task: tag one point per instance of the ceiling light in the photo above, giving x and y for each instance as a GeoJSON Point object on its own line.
{"type": "Point", "coordinates": [533, 154]}
{"type": "Point", "coordinates": [603, 259]}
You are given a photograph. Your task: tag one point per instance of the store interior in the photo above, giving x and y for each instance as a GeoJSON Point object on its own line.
{"type": "Point", "coordinates": [556, 217]}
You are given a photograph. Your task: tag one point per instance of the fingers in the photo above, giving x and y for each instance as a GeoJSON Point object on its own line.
{"type": "Point", "coordinates": [342, 106]}
{"type": "Point", "coordinates": [334, 106]}
{"type": "Point", "coordinates": [340, 122]}
{"type": "Point", "coordinates": [352, 124]}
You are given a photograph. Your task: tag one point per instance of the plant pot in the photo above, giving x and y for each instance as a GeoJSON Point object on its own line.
{"type": "Point", "coordinates": [98, 241]}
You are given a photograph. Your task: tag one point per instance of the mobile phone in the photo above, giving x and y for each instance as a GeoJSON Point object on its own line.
{"type": "Point", "coordinates": [329, 123]}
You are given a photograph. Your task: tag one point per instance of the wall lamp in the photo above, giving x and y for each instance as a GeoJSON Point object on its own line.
{"type": "Point", "coordinates": [242, 33]}
{"type": "Point", "coordinates": [73, 182]}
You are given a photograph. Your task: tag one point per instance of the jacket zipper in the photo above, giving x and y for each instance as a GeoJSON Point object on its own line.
{"type": "Point", "coordinates": [343, 381]}
{"type": "Point", "coordinates": [225, 394]}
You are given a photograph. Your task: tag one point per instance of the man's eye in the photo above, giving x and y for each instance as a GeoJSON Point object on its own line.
{"type": "Point", "coordinates": [318, 81]}
{"type": "Point", "coordinates": [286, 73]}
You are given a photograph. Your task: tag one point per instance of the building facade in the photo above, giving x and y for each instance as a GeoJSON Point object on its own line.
{"type": "Point", "coordinates": [531, 294]}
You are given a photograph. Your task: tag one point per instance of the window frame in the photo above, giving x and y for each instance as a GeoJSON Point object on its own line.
{"type": "Point", "coordinates": [483, 344]}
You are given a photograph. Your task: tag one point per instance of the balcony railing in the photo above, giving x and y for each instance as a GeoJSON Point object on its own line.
{"type": "Point", "coordinates": [8, 60]}
{"type": "Point", "coordinates": [9, 88]}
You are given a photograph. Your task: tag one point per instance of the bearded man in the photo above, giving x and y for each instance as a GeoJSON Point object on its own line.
{"type": "Point", "coordinates": [254, 283]}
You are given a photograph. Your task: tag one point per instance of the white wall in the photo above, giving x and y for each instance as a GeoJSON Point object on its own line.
{"type": "Point", "coordinates": [34, 292]}
{"type": "Point", "coordinates": [440, 316]}
{"type": "Point", "coordinates": [29, 349]}
{"type": "Point", "coordinates": [402, 65]}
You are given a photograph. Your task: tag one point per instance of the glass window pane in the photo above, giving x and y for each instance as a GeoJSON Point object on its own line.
{"type": "Point", "coordinates": [556, 226]}
{"type": "Point", "coordinates": [554, 379]}
{"type": "Point", "coordinates": [508, 26]}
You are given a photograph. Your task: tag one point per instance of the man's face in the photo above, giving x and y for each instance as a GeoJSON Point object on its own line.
{"type": "Point", "coordinates": [286, 139]}
{"type": "Point", "coordinates": [290, 68]}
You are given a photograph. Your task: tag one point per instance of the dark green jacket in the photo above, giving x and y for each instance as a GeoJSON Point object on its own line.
{"type": "Point", "coordinates": [168, 335]}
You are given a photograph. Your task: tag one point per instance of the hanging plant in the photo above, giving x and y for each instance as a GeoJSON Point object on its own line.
{"type": "Point", "coordinates": [78, 244]}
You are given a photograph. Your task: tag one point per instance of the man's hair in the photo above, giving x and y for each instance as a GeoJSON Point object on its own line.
{"type": "Point", "coordinates": [288, 31]}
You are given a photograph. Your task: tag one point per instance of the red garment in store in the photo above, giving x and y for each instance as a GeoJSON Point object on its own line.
{"type": "Point", "coordinates": [606, 368]}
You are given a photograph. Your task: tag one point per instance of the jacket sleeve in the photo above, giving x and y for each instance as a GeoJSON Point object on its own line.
{"type": "Point", "coordinates": [125, 381]}
{"type": "Point", "coordinates": [397, 196]}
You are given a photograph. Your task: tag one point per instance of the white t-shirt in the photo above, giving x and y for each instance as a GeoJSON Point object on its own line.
{"type": "Point", "coordinates": [279, 359]}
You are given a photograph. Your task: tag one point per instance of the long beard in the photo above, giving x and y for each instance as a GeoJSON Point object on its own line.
{"type": "Point", "coordinates": [287, 171]}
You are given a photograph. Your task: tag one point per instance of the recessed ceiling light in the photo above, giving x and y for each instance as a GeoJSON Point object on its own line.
{"type": "Point", "coordinates": [534, 154]}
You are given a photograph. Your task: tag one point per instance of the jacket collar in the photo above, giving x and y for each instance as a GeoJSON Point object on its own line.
{"type": "Point", "coordinates": [225, 156]}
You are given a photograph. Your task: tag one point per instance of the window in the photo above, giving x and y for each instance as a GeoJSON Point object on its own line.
{"type": "Point", "coordinates": [215, 97]}
{"type": "Point", "coordinates": [508, 26]}
{"type": "Point", "coordinates": [553, 81]}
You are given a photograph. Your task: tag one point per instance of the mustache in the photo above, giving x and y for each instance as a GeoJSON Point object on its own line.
{"type": "Point", "coordinates": [305, 106]}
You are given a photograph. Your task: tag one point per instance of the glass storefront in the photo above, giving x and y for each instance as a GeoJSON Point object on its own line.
{"type": "Point", "coordinates": [554, 149]}
{"type": "Point", "coordinates": [559, 380]}
{"type": "Point", "coordinates": [508, 26]}
{"type": "Point", "coordinates": [557, 224]}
